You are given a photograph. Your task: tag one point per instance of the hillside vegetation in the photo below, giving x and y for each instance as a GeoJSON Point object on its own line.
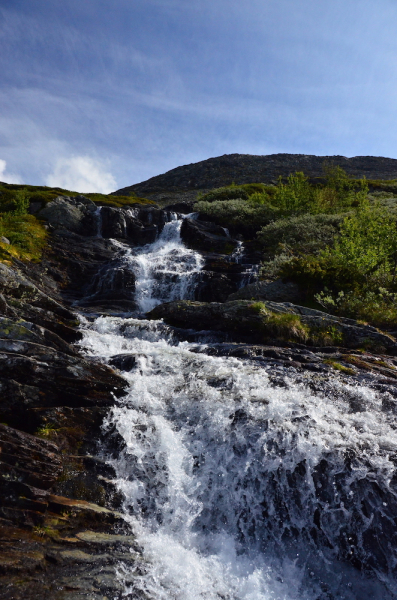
{"type": "Point", "coordinates": [336, 238]}
{"type": "Point", "coordinates": [25, 232]}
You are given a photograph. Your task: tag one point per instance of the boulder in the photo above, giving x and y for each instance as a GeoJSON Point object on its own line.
{"type": "Point", "coordinates": [214, 287]}
{"type": "Point", "coordinates": [205, 236]}
{"type": "Point", "coordinates": [77, 214]}
{"type": "Point", "coordinates": [140, 225]}
{"type": "Point", "coordinates": [264, 322]}
{"type": "Point", "coordinates": [16, 286]}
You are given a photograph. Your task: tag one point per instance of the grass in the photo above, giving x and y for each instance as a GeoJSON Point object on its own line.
{"type": "Point", "coordinates": [27, 237]}
{"type": "Point", "coordinates": [339, 367]}
{"type": "Point", "coordinates": [42, 195]}
{"type": "Point", "coordinates": [290, 328]}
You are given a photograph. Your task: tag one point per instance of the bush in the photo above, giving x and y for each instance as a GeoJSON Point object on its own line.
{"type": "Point", "coordinates": [305, 234]}
{"type": "Point", "coordinates": [225, 193]}
{"type": "Point", "coordinates": [235, 192]}
{"type": "Point", "coordinates": [239, 216]}
{"type": "Point", "coordinates": [377, 307]}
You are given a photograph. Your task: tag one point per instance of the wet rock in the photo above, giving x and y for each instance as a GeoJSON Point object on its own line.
{"type": "Point", "coordinates": [28, 459]}
{"type": "Point", "coordinates": [124, 362]}
{"type": "Point", "coordinates": [138, 225]}
{"type": "Point", "coordinates": [16, 286]}
{"type": "Point", "coordinates": [214, 287]}
{"type": "Point", "coordinates": [205, 236]}
{"type": "Point", "coordinates": [245, 320]}
{"type": "Point", "coordinates": [113, 285]}
{"type": "Point", "coordinates": [14, 330]}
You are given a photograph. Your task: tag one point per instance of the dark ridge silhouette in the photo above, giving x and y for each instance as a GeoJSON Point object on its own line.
{"type": "Point", "coordinates": [247, 168]}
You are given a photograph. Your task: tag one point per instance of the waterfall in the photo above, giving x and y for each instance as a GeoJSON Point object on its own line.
{"type": "Point", "coordinates": [243, 481]}
{"type": "Point", "coordinates": [165, 270]}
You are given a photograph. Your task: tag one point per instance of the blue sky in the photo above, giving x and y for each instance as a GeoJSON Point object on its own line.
{"type": "Point", "coordinates": [96, 95]}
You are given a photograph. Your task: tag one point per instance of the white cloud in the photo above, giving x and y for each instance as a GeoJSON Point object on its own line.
{"type": "Point", "coordinates": [81, 174]}
{"type": "Point", "coordinates": [7, 177]}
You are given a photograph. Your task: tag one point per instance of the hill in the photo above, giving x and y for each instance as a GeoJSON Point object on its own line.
{"type": "Point", "coordinates": [247, 168]}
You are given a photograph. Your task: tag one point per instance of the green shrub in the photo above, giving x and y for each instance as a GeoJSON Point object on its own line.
{"type": "Point", "coordinates": [225, 193]}
{"type": "Point", "coordinates": [378, 307]}
{"type": "Point", "coordinates": [288, 327]}
{"type": "Point", "coordinates": [239, 216]}
{"type": "Point", "coordinates": [304, 234]}
{"type": "Point", "coordinates": [22, 201]}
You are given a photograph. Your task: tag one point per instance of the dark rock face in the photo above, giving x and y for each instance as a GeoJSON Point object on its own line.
{"type": "Point", "coordinates": [139, 226]}
{"type": "Point", "coordinates": [28, 459]}
{"type": "Point", "coordinates": [50, 489]}
{"type": "Point", "coordinates": [208, 237]}
{"type": "Point", "coordinates": [246, 168]}
{"type": "Point", "coordinates": [275, 291]}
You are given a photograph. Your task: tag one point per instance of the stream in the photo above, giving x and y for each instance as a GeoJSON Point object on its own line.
{"type": "Point", "coordinates": [242, 481]}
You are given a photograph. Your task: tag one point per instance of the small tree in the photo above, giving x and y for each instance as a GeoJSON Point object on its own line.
{"type": "Point", "coordinates": [21, 201]}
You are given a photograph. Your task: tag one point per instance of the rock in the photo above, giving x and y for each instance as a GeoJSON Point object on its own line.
{"type": "Point", "coordinates": [140, 225]}
{"type": "Point", "coordinates": [214, 287]}
{"type": "Point", "coordinates": [4, 240]}
{"type": "Point", "coordinates": [76, 214]}
{"type": "Point", "coordinates": [17, 286]}
{"type": "Point", "coordinates": [105, 539]}
{"type": "Point", "coordinates": [205, 236]}
{"type": "Point", "coordinates": [14, 330]}
{"type": "Point", "coordinates": [55, 380]}
{"type": "Point", "coordinates": [245, 320]}
{"type": "Point", "coordinates": [113, 285]}
{"type": "Point", "coordinates": [28, 459]}
{"type": "Point", "coordinates": [124, 362]}
{"type": "Point", "coordinates": [276, 291]}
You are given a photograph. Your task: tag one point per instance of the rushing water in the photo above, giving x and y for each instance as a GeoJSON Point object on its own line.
{"type": "Point", "coordinates": [241, 481]}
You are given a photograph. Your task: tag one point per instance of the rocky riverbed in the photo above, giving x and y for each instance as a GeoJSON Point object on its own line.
{"type": "Point", "coordinates": [62, 528]}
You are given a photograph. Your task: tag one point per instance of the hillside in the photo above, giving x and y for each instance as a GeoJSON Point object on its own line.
{"type": "Point", "coordinates": [247, 168]}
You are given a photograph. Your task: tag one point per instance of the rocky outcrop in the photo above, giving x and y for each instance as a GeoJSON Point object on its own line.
{"type": "Point", "coordinates": [139, 226]}
{"type": "Point", "coordinates": [278, 323]}
{"type": "Point", "coordinates": [53, 402]}
{"type": "Point", "coordinates": [205, 236]}
{"type": "Point", "coordinates": [77, 214]}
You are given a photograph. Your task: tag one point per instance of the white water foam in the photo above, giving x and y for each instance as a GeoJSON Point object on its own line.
{"type": "Point", "coordinates": [238, 489]}
{"type": "Point", "coordinates": [165, 270]}
{"type": "Point", "coordinates": [240, 482]}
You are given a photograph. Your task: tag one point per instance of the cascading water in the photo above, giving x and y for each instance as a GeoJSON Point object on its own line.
{"type": "Point", "coordinates": [164, 270]}
{"type": "Point", "coordinates": [241, 481]}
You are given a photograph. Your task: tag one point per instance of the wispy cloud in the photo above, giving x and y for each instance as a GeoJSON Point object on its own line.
{"type": "Point", "coordinates": [82, 174]}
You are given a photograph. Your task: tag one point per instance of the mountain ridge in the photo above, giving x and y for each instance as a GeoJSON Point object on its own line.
{"type": "Point", "coordinates": [250, 168]}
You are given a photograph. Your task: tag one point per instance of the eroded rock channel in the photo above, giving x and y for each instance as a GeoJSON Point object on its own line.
{"type": "Point", "coordinates": [160, 440]}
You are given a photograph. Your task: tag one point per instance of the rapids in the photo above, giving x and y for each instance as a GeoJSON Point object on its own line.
{"type": "Point", "coordinates": [243, 481]}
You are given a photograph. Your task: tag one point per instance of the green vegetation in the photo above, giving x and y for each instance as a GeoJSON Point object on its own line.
{"type": "Point", "coordinates": [339, 367]}
{"type": "Point", "coordinates": [336, 237]}
{"type": "Point", "coordinates": [289, 327]}
{"type": "Point", "coordinates": [26, 233]}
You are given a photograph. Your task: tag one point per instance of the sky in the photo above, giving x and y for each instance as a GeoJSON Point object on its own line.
{"type": "Point", "coordinates": [96, 95]}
